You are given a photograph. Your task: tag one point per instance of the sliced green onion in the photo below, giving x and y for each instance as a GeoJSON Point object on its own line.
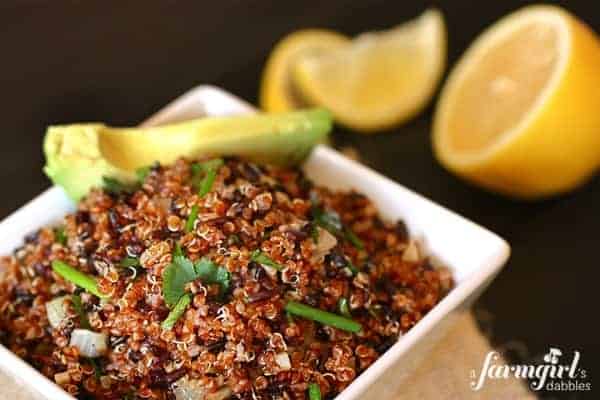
{"type": "Point", "coordinates": [77, 277]}
{"type": "Point", "coordinates": [314, 234]}
{"type": "Point", "coordinates": [330, 220]}
{"type": "Point", "coordinates": [314, 392]}
{"type": "Point", "coordinates": [78, 306]}
{"type": "Point", "coordinates": [143, 172]}
{"type": "Point", "coordinates": [129, 262]}
{"type": "Point", "coordinates": [209, 168]}
{"type": "Point", "coordinates": [97, 368]}
{"type": "Point", "coordinates": [215, 163]}
{"type": "Point", "coordinates": [352, 238]}
{"type": "Point", "coordinates": [289, 317]}
{"type": "Point", "coordinates": [189, 224]}
{"type": "Point", "coordinates": [207, 182]}
{"type": "Point", "coordinates": [353, 268]}
{"type": "Point", "coordinates": [343, 307]}
{"type": "Point", "coordinates": [324, 317]}
{"type": "Point", "coordinates": [115, 186]}
{"type": "Point", "coordinates": [176, 312]}
{"type": "Point", "coordinates": [261, 258]}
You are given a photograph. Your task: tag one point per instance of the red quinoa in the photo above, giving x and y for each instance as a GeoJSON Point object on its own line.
{"type": "Point", "coordinates": [233, 343]}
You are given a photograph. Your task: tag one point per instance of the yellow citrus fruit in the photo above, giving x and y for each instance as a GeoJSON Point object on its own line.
{"type": "Point", "coordinates": [520, 112]}
{"type": "Point", "coordinates": [276, 92]}
{"type": "Point", "coordinates": [380, 79]}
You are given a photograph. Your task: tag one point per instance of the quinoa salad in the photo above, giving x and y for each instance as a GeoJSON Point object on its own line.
{"type": "Point", "coordinates": [214, 279]}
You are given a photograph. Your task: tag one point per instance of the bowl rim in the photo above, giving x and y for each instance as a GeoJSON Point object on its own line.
{"type": "Point", "coordinates": [203, 96]}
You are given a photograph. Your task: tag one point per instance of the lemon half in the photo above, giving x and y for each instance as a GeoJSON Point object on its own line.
{"type": "Point", "coordinates": [520, 112]}
{"type": "Point", "coordinates": [381, 78]}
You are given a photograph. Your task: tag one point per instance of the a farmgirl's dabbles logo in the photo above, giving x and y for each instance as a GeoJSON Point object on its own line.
{"type": "Point", "coordinates": [552, 375]}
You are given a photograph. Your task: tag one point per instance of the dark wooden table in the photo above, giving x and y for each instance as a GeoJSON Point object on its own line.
{"type": "Point", "coordinates": [67, 61]}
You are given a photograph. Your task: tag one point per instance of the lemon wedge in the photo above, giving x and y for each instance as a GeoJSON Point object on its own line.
{"type": "Point", "coordinates": [520, 112]}
{"type": "Point", "coordinates": [381, 78]}
{"type": "Point", "coordinates": [276, 92]}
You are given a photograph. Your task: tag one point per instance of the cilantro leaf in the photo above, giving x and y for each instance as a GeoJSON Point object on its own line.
{"type": "Point", "coordinates": [143, 172]}
{"type": "Point", "coordinates": [175, 277]}
{"type": "Point", "coordinates": [212, 273]}
{"type": "Point", "coordinates": [182, 270]}
{"type": "Point", "coordinates": [261, 258]}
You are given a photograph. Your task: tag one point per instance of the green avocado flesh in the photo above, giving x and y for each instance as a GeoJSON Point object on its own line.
{"type": "Point", "coordinates": [78, 156]}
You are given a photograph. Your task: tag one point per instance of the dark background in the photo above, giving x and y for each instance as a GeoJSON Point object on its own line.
{"type": "Point", "coordinates": [118, 62]}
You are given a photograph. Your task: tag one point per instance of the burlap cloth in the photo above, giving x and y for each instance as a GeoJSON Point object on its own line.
{"type": "Point", "coordinates": [444, 375]}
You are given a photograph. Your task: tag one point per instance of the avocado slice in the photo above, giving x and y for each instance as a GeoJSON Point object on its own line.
{"type": "Point", "coordinates": [78, 156]}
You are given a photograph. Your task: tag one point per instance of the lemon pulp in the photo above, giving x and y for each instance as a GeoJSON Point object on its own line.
{"type": "Point", "coordinates": [503, 86]}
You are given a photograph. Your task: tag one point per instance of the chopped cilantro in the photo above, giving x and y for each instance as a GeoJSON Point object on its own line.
{"type": "Point", "coordinates": [143, 172]}
{"type": "Point", "coordinates": [261, 258]}
{"type": "Point", "coordinates": [130, 262]}
{"type": "Point", "coordinates": [182, 270]}
{"type": "Point", "coordinates": [175, 277]}
{"type": "Point", "coordinates": [234, 239]}
{"type": "Point", "coordinates": [115, 186]}
{"type": "Point", "coordinates": [60, 236]}
{"type": "Point", "coordinates": [211, 273]}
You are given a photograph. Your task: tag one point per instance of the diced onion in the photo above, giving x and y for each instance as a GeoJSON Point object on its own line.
{"type": "Point", "coordinates": [56, 311]}
{"type": "Point", "coordinates": [283, 360]}
{"type": "Point", "coordinates": [324, 244]}
{"type": "Point", "coordinates": [411, 253]}
{"type": "Point", "coordinates": [221, 394]}
{"type": "Point", "coordinates": [90, 344]}
{"type": "Point", "coordinates": [62, 378]}
{"type": "Point", "coordinates": [193, 389]}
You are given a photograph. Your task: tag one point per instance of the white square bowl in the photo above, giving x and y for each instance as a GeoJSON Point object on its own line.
{"type": "Point", "coordinates": [474, 254]}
